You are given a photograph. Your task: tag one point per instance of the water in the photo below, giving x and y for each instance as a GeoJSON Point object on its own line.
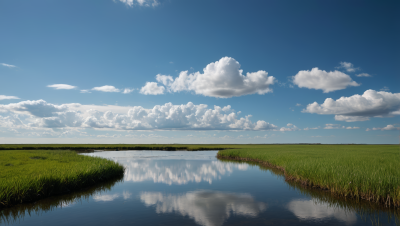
{"type": "Point", "coordinates": [195, 188]}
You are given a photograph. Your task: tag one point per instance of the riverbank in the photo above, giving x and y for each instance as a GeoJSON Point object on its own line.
{"type": "Point", "coordinates": [368, 172]}
{"type": "Point", "coordinates": [30, 175]}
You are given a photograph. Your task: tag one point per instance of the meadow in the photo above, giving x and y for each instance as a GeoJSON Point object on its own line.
{"type": "Point", "coordinates": [29, 175]}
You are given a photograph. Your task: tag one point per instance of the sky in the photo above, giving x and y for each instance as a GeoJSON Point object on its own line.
{"type": "Point", "coordinates": [199, 71]}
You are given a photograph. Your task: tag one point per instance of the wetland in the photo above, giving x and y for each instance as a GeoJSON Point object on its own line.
{"type": "Point", "coordinates": [196, 188]}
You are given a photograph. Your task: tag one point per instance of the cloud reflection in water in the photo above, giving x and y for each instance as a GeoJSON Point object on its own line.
{"type": "Point", "coordinates": [310, 209]}
{"type": "Point", "coordinates": [178, 172]}
{"type": "Point", "coordinates": [207, 208]}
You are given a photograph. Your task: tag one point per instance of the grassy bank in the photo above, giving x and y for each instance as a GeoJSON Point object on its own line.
{"type": "Point", "coordinates": [27, 176]}
{"type": "Point", "coordinates": [369, 172]}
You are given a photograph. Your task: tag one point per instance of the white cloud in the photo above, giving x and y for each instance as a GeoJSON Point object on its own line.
{"type": "Point", "coordinates": [85, 91]}
{"type": "Point", "coordinates": [290, 127]}
{"type": "Point", "coordinates": [222, 79]}
{"type": "Point", "coordinates": [7, 65]}
{"type": "Point", "coordinates": [4, 97]}
{"type": "Point", "coordinates": [151, 88]}
{"type": "Point", "coordinates": [62, 86]}
{"type": "Point", "coordinates": [359, 107]}
{"type": "Point", "coordinates": [126, 91]}
{"type": "Point", "coordinates": [349, 127]}
{"type": "Point", "coordinates": [323, 80]}
{"type": "Point", "coordinates": [333, 126]}
{"type": "Point", "coordinates": [363, 75]}
{"type": "Point", "coordinates": [349, 67]}
{"type": "Point", "coordinates": [207, 208]}
{"type": "Point", "coordinates": [146, 3]}
{"type": "Point", "coordinates": [316, 210]}
{"type": "Point", "coordinates": [388, 127]}
{"type": "Point", "coordinates": [109, 89]}
{"type": "Point", "coordinates": [298, 105]}
{"type": "Point", "coordinates": [311, 128]}
{"type": "Point", "coordinates": [40, 114]}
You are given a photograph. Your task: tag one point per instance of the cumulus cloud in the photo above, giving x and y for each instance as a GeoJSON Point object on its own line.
{"type": "Point", "coordinates": [161, 117]}
{"type": "Point", "coordinates": [208, 208]}
{"type": "Point", "coordinates": [109, 89]}
{"type": "Point", "coordinates": [85, 91]}
{"type": "Point", "coordinates": [4, 97]}
{"type": "Point", "coordinates": [7, 65]}
{"type": "Point", "coordinates": [62, 86]}
{"type": "Point", "coordinates": [388, 127]}
{"type": "Point", "coordinates": [363, 75]}
{"type": "Point", "coordinates": [146, 3]}
{"type": "Point", "coordinates": [359, 107]}
{"type": "Point", "coordinates": [222, 79]}
{"type": "Point", "coordinates": [126, 91]}
{"type": "Point", "coordinates": [349, 67]}
{"type": "Point", "coordinates": [151, 88]}
{"type": "Point", "coordinates": [323, 80]}
{"type": "Point", "coordinates": [290, 127]}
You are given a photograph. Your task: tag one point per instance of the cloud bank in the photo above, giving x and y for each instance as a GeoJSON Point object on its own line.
{"type": "Point", "coordinates": [323, 80]}
{"type": "Point", "coordinates": [222, 79]}
{"type": "Point", "coordinates": [40, 114]}
{"type": "Point", "coordinates": [359, 107]}
{"type": "Point", "coordinates": [388, 127]}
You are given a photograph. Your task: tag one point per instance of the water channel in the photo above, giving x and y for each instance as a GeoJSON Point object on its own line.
{"type": "Point", "coordinates": [195, 188]}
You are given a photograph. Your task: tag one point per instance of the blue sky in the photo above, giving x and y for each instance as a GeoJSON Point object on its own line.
{"type": "Point", "coordinates": [209, 71]}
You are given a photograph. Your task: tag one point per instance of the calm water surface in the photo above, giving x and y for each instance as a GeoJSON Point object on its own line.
{"type": "Point", "coordinates": [195, 188]}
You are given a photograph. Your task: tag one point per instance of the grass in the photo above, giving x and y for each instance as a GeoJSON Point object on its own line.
{"type": "Point", "coordinates": [368, 211]}
{"type": "Point", "coordinates": [360, 172]}
{"type": "Point", "coordinates": [27, 175]}
{"type": "Point", "coordinates": [369, 172]}
{"type": "Point", "coordinates": [12, 215]}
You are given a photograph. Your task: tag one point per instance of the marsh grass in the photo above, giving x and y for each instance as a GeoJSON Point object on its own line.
{"type": "Point", "coordinates": [18, 212]}
{"type": "Point", "coordinates": [27, 176]}
{"type": "Point", "coordinates": [368, 211]}
{"type": "Point", "coordinates": [360, 172]}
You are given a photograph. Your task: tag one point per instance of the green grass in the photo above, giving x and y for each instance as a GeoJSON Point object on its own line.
{"type": "Point", "coordinates": [18, 212]}
{"type": "Point", "coordinates": [370, 172]}
{"type": "Point", "coordinates": [27, 175]}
